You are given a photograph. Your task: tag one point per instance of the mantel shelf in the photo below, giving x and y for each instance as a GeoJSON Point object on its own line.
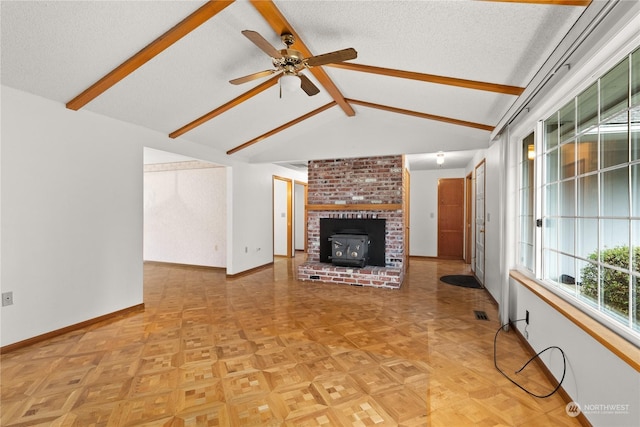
{"type": "Point", "coordinates": [357, 207]}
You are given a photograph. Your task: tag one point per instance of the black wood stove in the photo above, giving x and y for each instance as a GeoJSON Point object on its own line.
{"type": "Point", "coordinates": [349, 250]}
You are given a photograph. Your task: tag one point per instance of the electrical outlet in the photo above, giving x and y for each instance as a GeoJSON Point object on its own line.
{"type": "Point", "coordinates": [7, 298]}
{"type": "Point", "coordinates": [526, 317]}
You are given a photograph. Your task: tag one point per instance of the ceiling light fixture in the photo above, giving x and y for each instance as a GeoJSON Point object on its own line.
{"type": "Point", "coordinates": [440, 158]}
{"type": "Point", "coordinates": [289, 82]}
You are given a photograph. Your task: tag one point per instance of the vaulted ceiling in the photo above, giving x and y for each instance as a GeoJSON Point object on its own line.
{"type": "Point", "coordinates": [429, 75]}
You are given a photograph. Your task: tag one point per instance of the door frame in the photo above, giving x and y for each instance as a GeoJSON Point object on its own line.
{"type": "Point", "coordinates": [480, 229]}
{"type": "Point", "coordinates": [468, 214]}
{"type": "Point", "coordinates": [289, 182]}
{"type": "Point", "coordinates": [407, 217]}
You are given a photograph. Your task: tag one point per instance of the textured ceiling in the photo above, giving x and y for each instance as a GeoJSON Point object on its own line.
{"type": "Point", "coordinates": [58, 49]}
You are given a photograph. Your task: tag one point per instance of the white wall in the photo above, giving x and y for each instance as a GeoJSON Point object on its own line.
{"type": "Point", "coordinates": [251, 224]}
{"type": "Point", "coordinates": [424, 210]}
{"type": "Point", "coordinates": [185, 216]}
{"type": "Point", "coordinates": [299, 225]}
{"type": "Point", "coordinates": [71, 216]}
{"type": "Point", "coordinates": [72, 213]}
{"type": "Point", "coordinates": [595, 376]}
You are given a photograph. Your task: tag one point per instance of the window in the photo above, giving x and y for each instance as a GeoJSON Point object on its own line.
{"type": "Point", "coordinates": [526, 191]}
{"type": "Point", "coordinates": [590, 195]}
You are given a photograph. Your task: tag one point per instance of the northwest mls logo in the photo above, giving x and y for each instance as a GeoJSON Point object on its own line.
{"type": "Point", "coordinates": [573, 409]}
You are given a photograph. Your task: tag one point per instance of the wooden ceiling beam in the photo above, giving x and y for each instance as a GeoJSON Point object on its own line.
{"type": "Point", "coordinates": [191, 22]}
{"type": "Point", "coordinates": [422, 115]}
{"type": "Point", "coordinates": [280, 25]}
{"type": "Point", "coordinates": [431, 78]}
{"type": "Point", "coordinates": [550, 2]}
{"type": "Point", "coordinates": [225, 107]}
{"type": "Point", "coordinates": [281, 128]}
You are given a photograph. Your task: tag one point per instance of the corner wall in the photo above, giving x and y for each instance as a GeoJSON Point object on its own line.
{"type": "Point", "coordinates": [72, 213]}
{"type": "Point", "coordinates": [71, 216]}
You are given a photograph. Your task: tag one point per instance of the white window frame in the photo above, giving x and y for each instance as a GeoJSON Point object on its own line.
{"type": "Point", "coordinates": [625, 331]}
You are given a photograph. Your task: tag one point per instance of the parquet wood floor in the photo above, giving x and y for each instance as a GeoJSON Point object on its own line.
{"type": "Point", "coordinates": [267, 350]}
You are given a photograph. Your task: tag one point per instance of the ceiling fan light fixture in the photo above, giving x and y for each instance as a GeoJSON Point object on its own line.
{"type": "Point", "coordinates": [291, 62]}
{"type": "Point", "coordinates": [289, 82]}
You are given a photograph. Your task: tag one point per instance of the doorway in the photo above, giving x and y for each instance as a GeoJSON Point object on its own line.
{"type": "Point", "coordinates": [185, 210]}
{"type": "Point", "coordinates": [450, 218]}
{"type": "Point", "coordinates": [282, 217]}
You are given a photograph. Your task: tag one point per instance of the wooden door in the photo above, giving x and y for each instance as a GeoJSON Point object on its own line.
{"type": "Point", "coordinates": [450, 218]}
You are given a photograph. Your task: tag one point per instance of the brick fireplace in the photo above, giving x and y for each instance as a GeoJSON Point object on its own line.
{"type": "Point", "coordinates": [355, 189]}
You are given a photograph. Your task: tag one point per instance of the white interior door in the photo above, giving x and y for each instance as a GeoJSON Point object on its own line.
{"type": "Point", "coordinates": [480, 212]}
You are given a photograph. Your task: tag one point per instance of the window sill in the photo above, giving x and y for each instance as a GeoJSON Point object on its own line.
{"type": "Point", "coordinates": [609, 339]}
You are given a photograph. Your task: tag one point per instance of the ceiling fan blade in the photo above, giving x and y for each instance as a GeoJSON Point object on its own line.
{"type": "Point", "coordinates": [262, 43]}
{"type": "Point", "coordinates": [308, 86]}
{"type": "Point", "coordinates": [251, 77]}
{"type": "Point", "coordinates": [331, 57]}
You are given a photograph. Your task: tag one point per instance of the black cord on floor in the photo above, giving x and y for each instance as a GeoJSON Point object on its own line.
{"type": "Point", "coordinates": [495, 362]}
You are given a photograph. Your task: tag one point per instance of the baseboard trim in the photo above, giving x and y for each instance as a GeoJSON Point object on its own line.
{"type": "Point", "coordinates": [106, 317]}
{"type": "Point", "coordinates": [191, 266]}
{"type": "Point", "coordinates": [547, 373]}
{"type": "Point", "coordinates": [438, 258]}
{"type": "Point", "coordinates": [250, 271]}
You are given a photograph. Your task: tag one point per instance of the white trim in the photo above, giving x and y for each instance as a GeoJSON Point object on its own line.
{"type": "Point", "coordinates": [539, 144]}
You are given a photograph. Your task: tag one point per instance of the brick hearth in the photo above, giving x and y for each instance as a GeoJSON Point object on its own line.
{"type": "Point", "coordinates": [381, 277]}
{"type": "Point", "coordinates": [357, 188]}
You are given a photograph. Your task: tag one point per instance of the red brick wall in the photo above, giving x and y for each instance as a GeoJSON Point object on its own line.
{"type": "Point", "coordinates": [348, 181]}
